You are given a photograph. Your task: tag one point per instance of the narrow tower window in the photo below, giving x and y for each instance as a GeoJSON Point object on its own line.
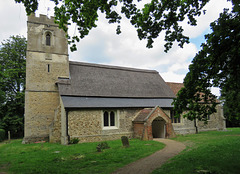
{"type": "Point", "coordinates": [48, 39]}
{"type": "Point", "coordinates": [48, 67]}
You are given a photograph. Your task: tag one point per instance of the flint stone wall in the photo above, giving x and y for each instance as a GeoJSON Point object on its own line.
{"type": "Point", "coordinates": [87, 125]}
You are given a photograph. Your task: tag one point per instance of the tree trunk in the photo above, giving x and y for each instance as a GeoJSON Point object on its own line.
{"type": "Point", "coordinates": [195, 125]}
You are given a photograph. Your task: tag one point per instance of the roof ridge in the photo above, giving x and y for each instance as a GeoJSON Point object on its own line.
{"type": "Point", "coordinates": [174, 82]}
{"type": "Point", "coordinates": [119, 97]}
{"type": "Point", "coordinates": [111, 67]}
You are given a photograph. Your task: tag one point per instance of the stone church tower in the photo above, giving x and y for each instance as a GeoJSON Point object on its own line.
{"type": "Point", "coordinates": [47, 59]}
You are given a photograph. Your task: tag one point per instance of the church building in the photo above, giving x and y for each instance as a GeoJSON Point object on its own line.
{"type": "Point", "coordinates": [92, 102]}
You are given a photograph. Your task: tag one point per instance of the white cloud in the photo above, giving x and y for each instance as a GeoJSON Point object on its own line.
{"type": "Point", "coordinates": [13, 19]}
{"type": "Point", "coordinates": [213, 8]}
{"type": "Point", "coordinates": [172, 77]}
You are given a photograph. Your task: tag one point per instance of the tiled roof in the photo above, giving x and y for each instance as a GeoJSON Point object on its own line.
{"type": "Point", "coordinates": [175, 87]}
{"type": "Point", "coordinates": [143, 114]}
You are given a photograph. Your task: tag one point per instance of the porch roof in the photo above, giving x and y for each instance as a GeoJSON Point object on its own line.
{"type": "Point", "coordinates": [143, 115]}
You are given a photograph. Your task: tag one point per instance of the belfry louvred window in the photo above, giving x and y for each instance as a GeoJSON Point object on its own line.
{"type": "Point", "coordinates": [48, 39]}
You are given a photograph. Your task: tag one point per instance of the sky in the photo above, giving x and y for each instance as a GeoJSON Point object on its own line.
{"type": "Point", "coordinates": [103, 46]}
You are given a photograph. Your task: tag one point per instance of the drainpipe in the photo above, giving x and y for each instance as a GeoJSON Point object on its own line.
{"type": "Point", "coordinates": [68, 138]}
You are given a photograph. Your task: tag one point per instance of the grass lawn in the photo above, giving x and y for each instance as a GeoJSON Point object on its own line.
{"type": "Point", "coordinates": [79, 158]}
{"type": "Point", "coordinates": [213, 152]}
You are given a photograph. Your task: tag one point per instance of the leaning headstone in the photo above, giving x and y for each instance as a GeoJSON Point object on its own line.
{"type": "Point", "coordinates": [99, 148]}
{"type": "Point", "coordinates": [125, 141]}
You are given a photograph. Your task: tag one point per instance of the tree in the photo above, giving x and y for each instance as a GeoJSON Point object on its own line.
{"type": "Point", "coordinates": [12, 84]}
{"type": "Point", "coordinates": [231, 108]}
{"type": "Point", "coordinates": [216, 65]}
{"type": "Point", "coordinates": [154, 18]}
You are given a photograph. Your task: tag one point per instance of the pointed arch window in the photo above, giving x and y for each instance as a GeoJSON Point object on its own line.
{"type": "Point", "coordinates": [110, 119]}
{"type": "Point", "coordinates": [48, 39]}
{"type": "Point", "coordinates": [173, 118]}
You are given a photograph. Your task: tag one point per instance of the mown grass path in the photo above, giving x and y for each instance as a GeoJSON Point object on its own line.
{"type": "Point", "coordinates": [148, 164]}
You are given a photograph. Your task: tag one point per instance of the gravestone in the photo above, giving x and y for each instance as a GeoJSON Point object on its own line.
{"type": "Point", "coordinates": [125, 141]}
{"type": "Point", "coordinates": [99, 148]}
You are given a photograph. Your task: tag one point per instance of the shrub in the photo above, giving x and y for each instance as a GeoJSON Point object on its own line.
{"type": "Point", "coordinates": [2, 135]}
{"type": "Point", "coordinates": [74, 141]}
{"type": "Point", "coordinates": [101, 146]}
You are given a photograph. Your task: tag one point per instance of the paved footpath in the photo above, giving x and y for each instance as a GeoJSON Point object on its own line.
{"type": "Point", "coordinates": [148, 164]}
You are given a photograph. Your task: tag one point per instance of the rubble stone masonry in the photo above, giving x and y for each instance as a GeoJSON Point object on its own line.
{"type": "Point", "coordinates": [87, 125]}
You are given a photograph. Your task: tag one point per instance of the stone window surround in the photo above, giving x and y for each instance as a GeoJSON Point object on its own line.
{"type": "Point", "coordinates": [116, 114]}
{"type": "Point", "coordinates": [44, 35]}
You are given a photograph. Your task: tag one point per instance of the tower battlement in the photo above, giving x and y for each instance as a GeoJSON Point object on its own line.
{"type": "Point", "coordinates": [42, 19]}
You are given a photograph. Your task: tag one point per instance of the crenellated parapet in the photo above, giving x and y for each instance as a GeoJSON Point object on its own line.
{"type": "Point", "coordinates": [42, 19]}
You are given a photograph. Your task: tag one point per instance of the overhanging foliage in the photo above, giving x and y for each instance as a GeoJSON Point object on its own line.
{"type": "Point", "coordinates": [155, 17]}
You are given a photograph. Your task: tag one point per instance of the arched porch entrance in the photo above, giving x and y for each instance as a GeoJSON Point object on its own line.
{"type": "Point", "coordinates": [152, 123]}
{"type": "Point", "coordinates": [158, 128]}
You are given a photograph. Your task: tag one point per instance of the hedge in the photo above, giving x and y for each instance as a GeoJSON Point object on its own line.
{"type": "Point", "coordinates": [2, 135]}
